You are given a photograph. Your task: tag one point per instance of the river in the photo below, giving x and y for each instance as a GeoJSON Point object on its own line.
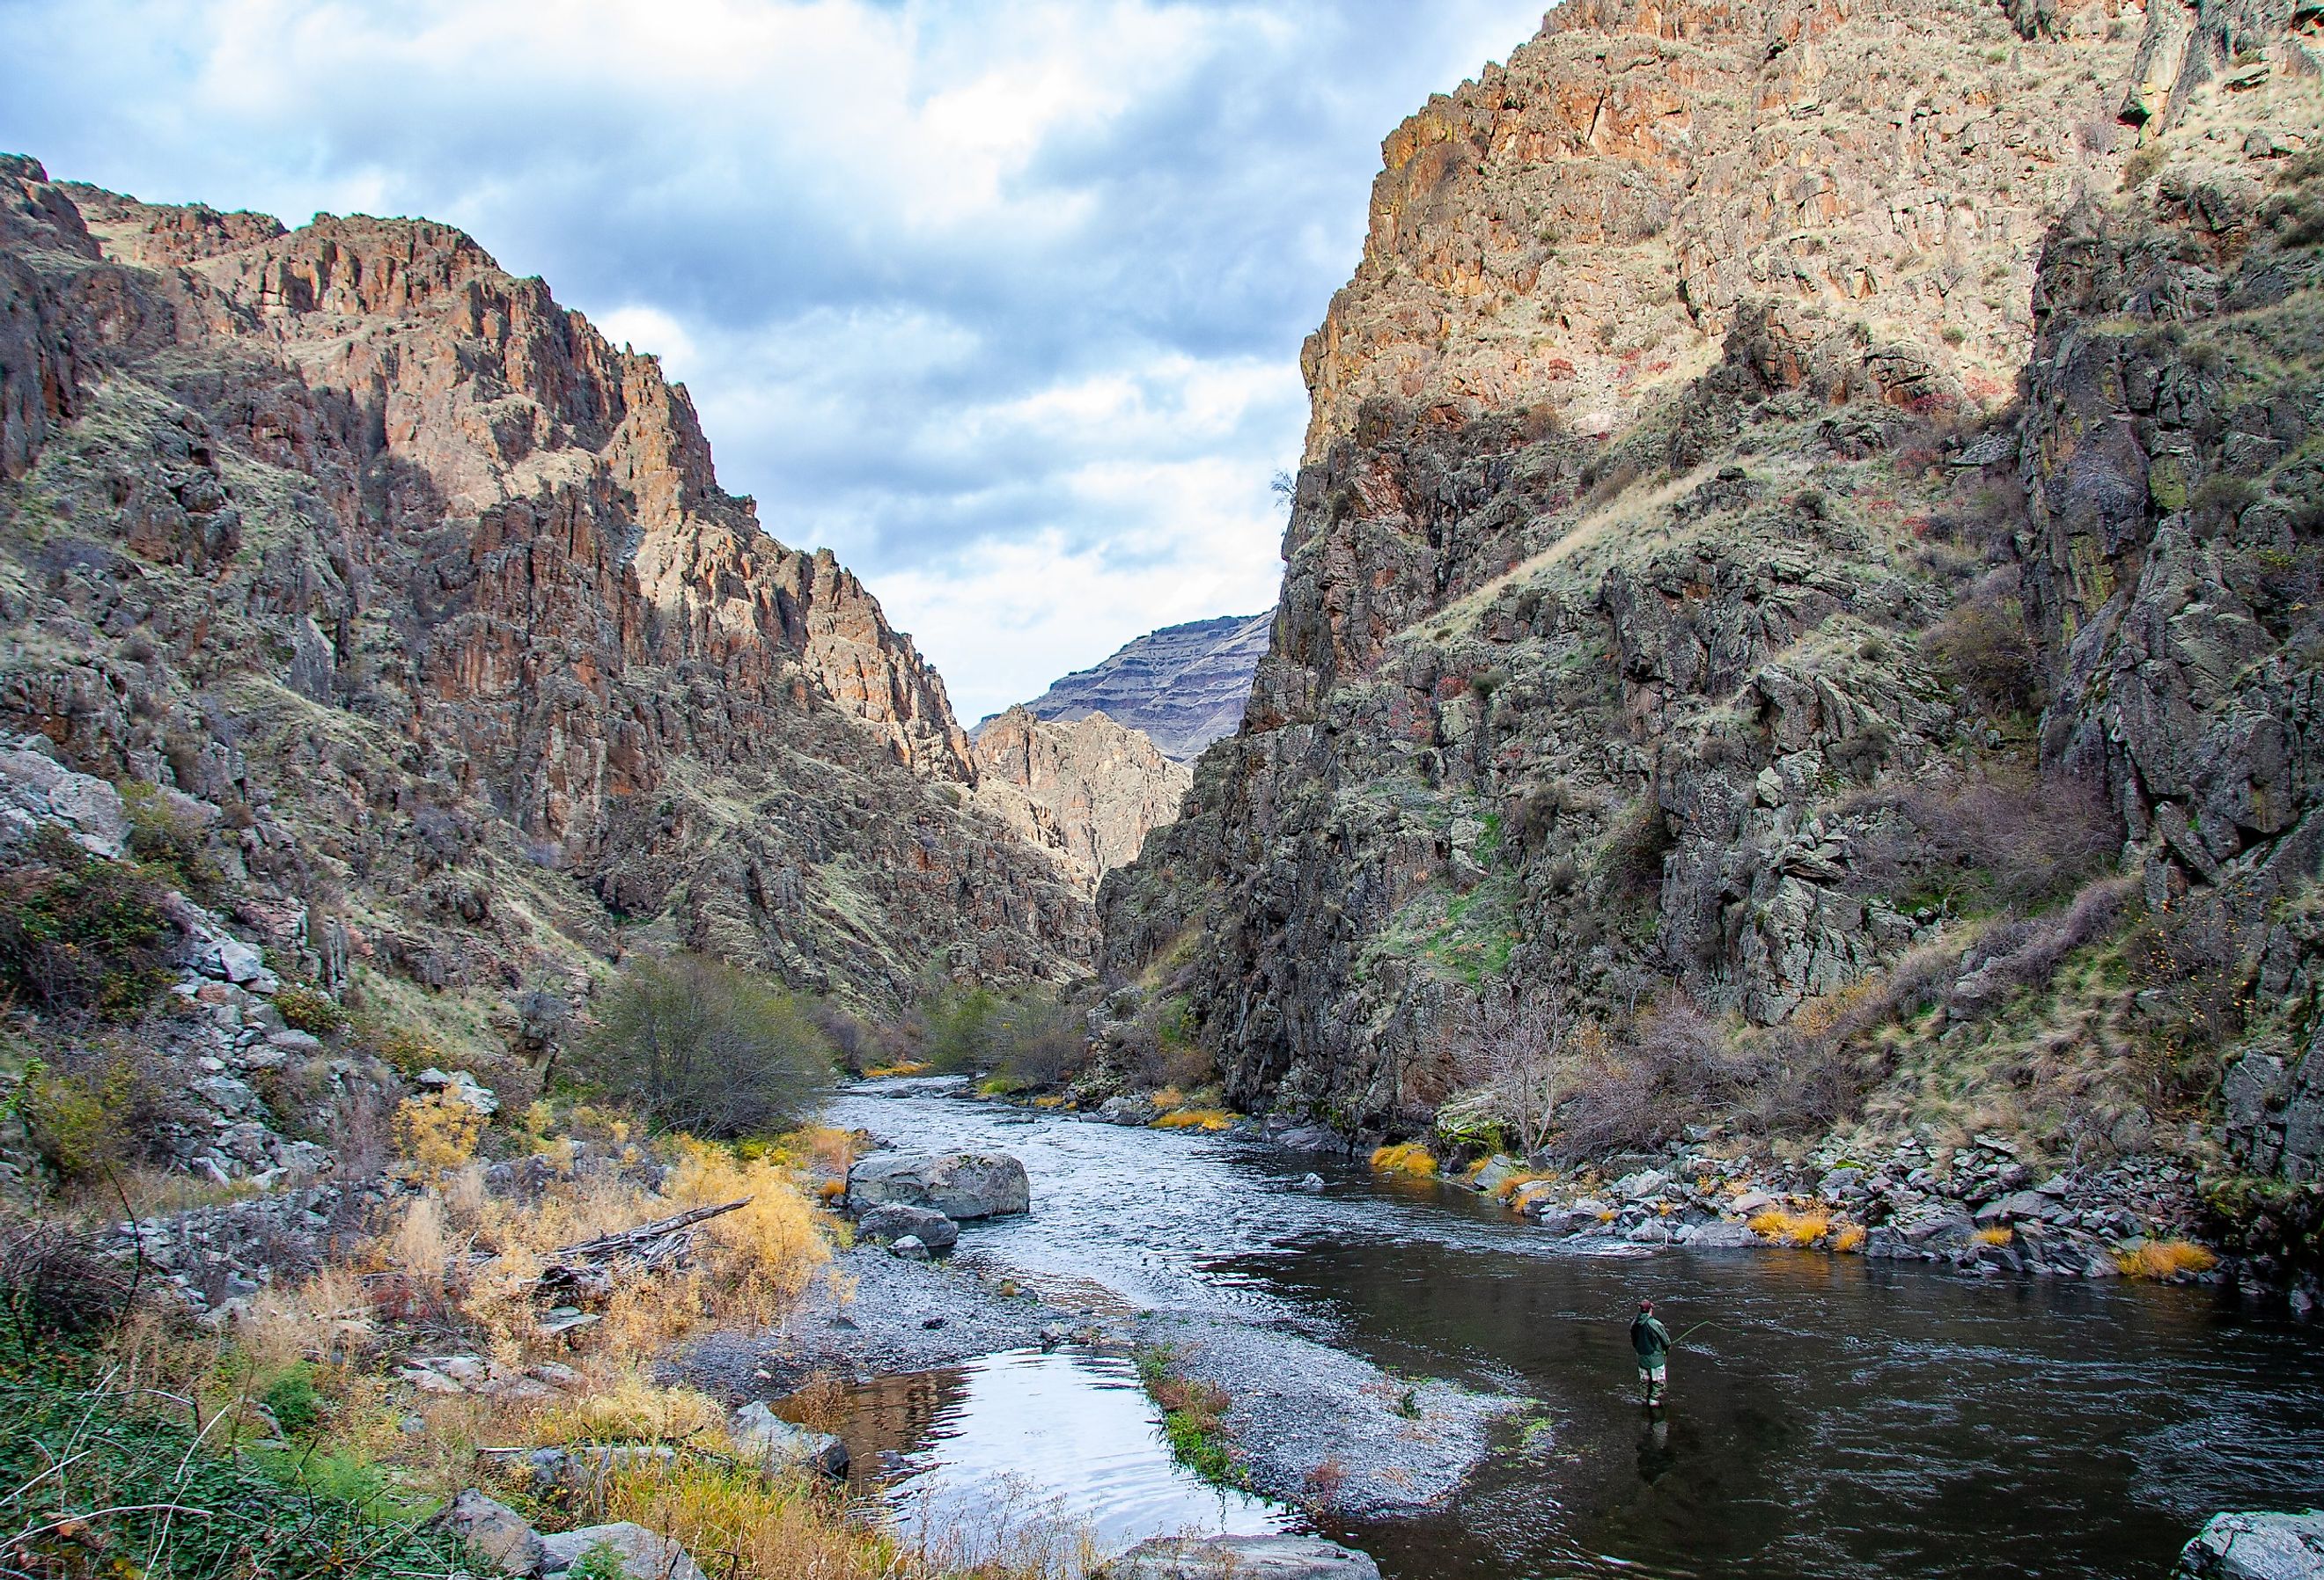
{"type": "Point", "coordinates": [1830, 1417]}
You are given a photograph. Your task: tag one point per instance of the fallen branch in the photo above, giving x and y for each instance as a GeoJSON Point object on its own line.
{"type": "Point", "coordinates": [589, 1267]}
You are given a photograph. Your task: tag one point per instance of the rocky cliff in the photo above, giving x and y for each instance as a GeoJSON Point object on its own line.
{"type": "Point", "coordinates": [1088, 791]}
{"type": "Point", "coordinates": [1183, 686]}
{"type": "Point", "coordinates": [428, 601]}
{"type": "Point", "coordinates": [1747, 598]}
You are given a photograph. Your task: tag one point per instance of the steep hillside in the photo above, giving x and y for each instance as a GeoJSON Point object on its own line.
{"type": "Point", "coordinates": [426, 602]}
{"type": "Point", "coordinates": [1088, 791]}
{"type": "Point", "coordinates": [1672, 637]}
{"type": "Point", "coordinates": [1183, 685]}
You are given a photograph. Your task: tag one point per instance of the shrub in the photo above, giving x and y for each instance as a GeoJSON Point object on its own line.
{"type": "Point", "coordinates": [56, 1284]}
{"type": "Point", "coordinates": [309, 1010]}
{"type": "Point", "coordinates": [698, 1045]}
{"type": "Point", "coordinates": [1037, 1041]}
{"type": "Point", "coordinates": [437, 1132]}
{"type": "Point", "coordinates": [1983, 647]}
{"type": "Point", "coordinates": [959, 1030]}
{"type": "Point", "coordinates": [163, 836]}
{"type": "Point", "coordinates": [82, 935]}
{"type": "Point", "coordinates": [1994, 1236]}
{"type": "Point", "coordinates": [90, 1115]}
{"type": "Point", "coordinates": [1635, 849]}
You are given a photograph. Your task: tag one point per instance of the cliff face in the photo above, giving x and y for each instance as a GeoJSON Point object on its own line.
{"type": "Point", "coordinates": [1672, 635]}
{"type": "Point", "coordinates": [1183, 686]}
{"type": "Point", "coordinates": [431, 596]}
{"type": "Point", "coordinates": [1088, 791]}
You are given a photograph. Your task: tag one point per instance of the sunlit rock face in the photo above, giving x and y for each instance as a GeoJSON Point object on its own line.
{"type": "Point", "coordinates": [347, 529]}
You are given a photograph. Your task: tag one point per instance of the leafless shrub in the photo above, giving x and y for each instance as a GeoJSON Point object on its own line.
{"type": "Point", "coordinates": [55, 1283]}
{"type": "Point", "coordinates": [1635, 849]}
{"type": "Point", "coordinates": [1673, 1067]}
{"type": "Point", "coordinates": [1983, 646]}
{"type": "Point", "coordinates": [1514, 1049]}
{"type": "Point", "coordinates": [2000, 839]}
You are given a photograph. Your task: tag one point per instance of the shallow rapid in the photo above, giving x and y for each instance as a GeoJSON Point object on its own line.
{"type": "Point", "coordinates": [1828, 1416]}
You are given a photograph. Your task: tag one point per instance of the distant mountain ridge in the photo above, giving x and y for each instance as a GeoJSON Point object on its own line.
{"type": "Point", "coordinates": [1183, 686]}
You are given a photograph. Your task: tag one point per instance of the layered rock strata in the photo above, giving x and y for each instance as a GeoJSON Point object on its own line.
{"type": "Point", "coordinates": [1183, 686]}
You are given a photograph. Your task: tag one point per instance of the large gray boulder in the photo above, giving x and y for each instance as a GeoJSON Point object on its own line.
{"type": "Point", "coordinates": [498, 1540]}
{"type": "Point", "coordinates": [1246, 1557]}
{"type": "Point", "coordinates": [959, 1185]}
{"type": "Point", "coordinates": [896, 1222]}
{"type": "Point", "coordinates": [766, 1436]}
{"type": "Point", "coordinates": [2255, 1546]}
{"type": "Point", "coordinates": [644, 1555]}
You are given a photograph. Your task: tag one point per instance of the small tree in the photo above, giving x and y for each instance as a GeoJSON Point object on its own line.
{"type": "Point", "coordinates": [701, 1047]}
{"type": "Point", "coordinates": [1513, 1049]}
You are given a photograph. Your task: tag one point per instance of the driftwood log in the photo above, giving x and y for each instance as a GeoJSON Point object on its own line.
{"type": "Point", "coordinates": [587, 1270]}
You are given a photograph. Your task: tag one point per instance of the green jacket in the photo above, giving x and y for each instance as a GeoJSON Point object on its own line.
{"type": "Point", "coordinates": [1650, 1338]}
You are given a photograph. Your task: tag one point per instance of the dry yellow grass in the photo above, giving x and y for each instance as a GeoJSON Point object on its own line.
{"type": "Point", "coordinates": [1995, 1235]}
{"type": "Point", "coordinates": [436, 1133]}
{"type": "Point", "coordinates": [907, 1067]}
{"type": "Point", "coordinates": [1517, 1182]}
{"type": "Point", "coordinates": [1202, 1119]}
{"type": "Point", "coordinates": [1404, 1158]}
{"type": "Point", "coordinates": [1791, 1228]}
{"type": "Point", "coordinates": [1848, 1237]}
{"type": "Point", "coordinates": [2163, 1259]}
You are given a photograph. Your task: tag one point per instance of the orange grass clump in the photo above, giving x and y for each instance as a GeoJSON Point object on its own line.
{"type": "Point", "coordinates": [1995, 1235]}
{"type": "Point", "coordinates": [1404, 1158]}
{"type": "Point", "coordinates": [1201, 1119]}
{"type": "Point", "coordinates": [1791, 1228]}
{"type": "Point", "coordinates": [2163, 1259]}
{"type": "Point", "coordinates": [1848, 1237]}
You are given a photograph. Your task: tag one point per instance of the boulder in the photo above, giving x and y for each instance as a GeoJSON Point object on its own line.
{"type": "Point", "coordinates": [961, 1184]}
{"type": "Point", "coordinates": [1750, 1202]}
{"type": "Point", "coordinates": [1497, 1172]}
{"type": "Point", "coordinates": [1716, 1236]}
{"type": "Point", "coordinates": [644, 1555]}
{"type": "Point", "coordinates": [910, 1247]}
{"type": "Point", "coordinates": [2255, 1546]}
{"type": "Point", "coordinates": [764, 1435]}
{"type": "Point", "coordinates": [1311, 1138]}
{"type": "Point", "coordinates": [496, 1536]}
{"type": "Point", "coordinates": [1311, 1181]}
{"type": "Point", "coordinates": [1645, 1183]}
{"type": "Point", "coordinates": [1246, 1557]}
{"type": "Point", "coordinates": [895, 1221]}
{"type": "Point", "coordinates": [1127, 1108]}
{"type": "Point", "coordinates": [36, 788]}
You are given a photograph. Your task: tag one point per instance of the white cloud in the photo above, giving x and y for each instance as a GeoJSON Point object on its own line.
{"type": "Point", "coordinates": [1003, 301]}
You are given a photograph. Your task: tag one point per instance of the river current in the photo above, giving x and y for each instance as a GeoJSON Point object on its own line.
{"type": "Point", "coordinates": [1827, 1416]}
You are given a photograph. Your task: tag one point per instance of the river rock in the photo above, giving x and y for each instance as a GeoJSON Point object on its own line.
{"type": "Point", "coordinates": [496, 1535]}
{"type": "Point", "coordinates": [910, 1247]}
{"type": "Point", "coordinates": [1716, 1236]}
{"type": "Point", "coordinates": [896, 1221]}
{"type": "Point", "coordinates": [644, 1555]}
{"type": "Point", "coordinates": [762, 1435]}
{"type": "Point", "coordinates": [1497, 1172]}
{"type": "Point", "coordinates": [1311, 1138]}
{"type": "Point", "coordinates": [2255, 1546]}
{"type": "Point", "coordinates": [962, 1184]}
{"type": "Point", "coordinates": [1246, 1557]}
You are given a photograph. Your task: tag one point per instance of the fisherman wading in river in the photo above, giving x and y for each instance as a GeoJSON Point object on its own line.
{"type": "Point", "coordinates": [1651, 1340]}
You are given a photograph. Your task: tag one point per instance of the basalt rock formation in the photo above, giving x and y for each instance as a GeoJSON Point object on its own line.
{"type": "Point", "coordinates": [1088, 791]}
{"type": "Point", "coordinates": [1183, 685]}
{"type": "Point", "coordinates": [427, 599]}
{"type": "Point", "coordinates": [1801, 578]}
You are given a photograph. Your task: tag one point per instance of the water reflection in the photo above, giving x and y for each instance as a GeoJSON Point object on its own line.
{"type": "Point", "coordinates": [1024, 1440]}
{"type": "Point", "coordinates": [1831, 1416]}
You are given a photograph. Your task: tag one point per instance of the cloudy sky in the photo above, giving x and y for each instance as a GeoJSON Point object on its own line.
{"type": "Point", "coordinates": [1003, 301]}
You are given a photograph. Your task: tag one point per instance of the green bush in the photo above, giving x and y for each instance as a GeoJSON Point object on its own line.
{"type": "Point", "coordinates": [310, 1010]}
{"type": "Point", "coordinates": [82, 935]}
{"type": "Point", "coordinates": [146, 1496]}
{"type": "Point", "coordinates": [162, 836]}
{"type": "Point", "coordinates": [83, 1120]}
{"type": "Point", "coordinates": [291, 1398]}
{"type": "Point", "coordinates": [698, 1045]}
{"type": "Point", "coordinates": [960, 1029]}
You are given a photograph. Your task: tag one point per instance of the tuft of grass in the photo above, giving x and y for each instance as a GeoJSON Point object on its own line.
{"type": "Point", "coordinates": [911, 1067]}
{"type": "Point", "coordinates": [1995, 1235]}
{"type": "Point", "coordinates": [1201, 1119]}
{"type": "Point", "coordinates": [1193, 1416]}
{"type": "Point", "coordinates": [1791, 1228]}
{"type": "Point", "coordinates": [1848, 1237]}
{"type": "Point", "coordinates": [2164, 1259]}
{"type": "Point", "coordinates": [1404, 1158]}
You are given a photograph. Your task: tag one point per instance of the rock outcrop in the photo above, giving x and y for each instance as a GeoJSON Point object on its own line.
{"type": "Point", "coordinates": [1183, 686]}
{"type": "Point", "coordinates": [432, 598]}
{"type": "Point", "coordinates": [1671, 637]}
{"type": "Point", "coordinates": [1088, 791]}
